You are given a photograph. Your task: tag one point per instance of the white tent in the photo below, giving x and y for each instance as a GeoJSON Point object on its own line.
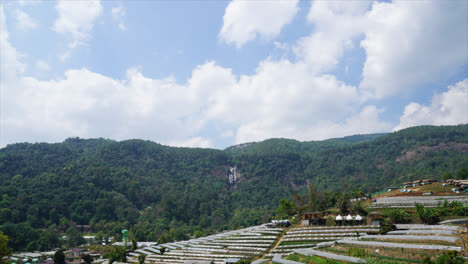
{"type": "Point", "coordinates": [358, 218]}
{"type": "Point", "coordinates": [339, 218]}
{"type": "Point", "coordinates": [349, 218]}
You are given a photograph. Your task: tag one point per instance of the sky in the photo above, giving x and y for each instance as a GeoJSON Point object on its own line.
{"type": "Point", "coordinates": [218, 73]}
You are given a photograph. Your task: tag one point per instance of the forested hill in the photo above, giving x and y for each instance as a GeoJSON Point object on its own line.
{"type": "Point", "coordinates": [162, 192]}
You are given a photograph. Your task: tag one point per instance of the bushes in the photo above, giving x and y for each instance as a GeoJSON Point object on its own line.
{"type": "Point", "coordinates": [358, 252]}
{"type": "Point", "coordinates": [446, 258]}
{"type": "Point", "coordinates": [428, 216]}
{"type": "Point", "coordinates": [432, 215]}
{"type": "Point", "coordinates": [141, 258]}
{"type": "Point", "coordinates": [398, 216]}
{"type": "Point", "coordinates": [386, 226]}
{"type": "Point", "coordinates": [330, 221]}
{"type": "Point", "coordinates": [117, 254]}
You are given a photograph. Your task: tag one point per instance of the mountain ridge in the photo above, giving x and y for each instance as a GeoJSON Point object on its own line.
{"type": "Point", "coordinates": [161, 191]}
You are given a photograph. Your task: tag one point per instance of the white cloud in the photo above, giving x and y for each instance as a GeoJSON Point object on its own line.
{"type": "Point", "coordinates": [227, 133]}
{"type": "Point", "coordinates": [409, 43]}
{"type": "Point", "coordinates": [11, 66]}
{"type": "Point", "coordinates": [118, 14]}
{"type": "Point", "coordinates": [243, 21]}
{"type": "Point", "coordinates": [337, 25]}
{"type": "Point", "coordinates": [29, 2]}
{"type": "Point", "coordinates": [448, 108]}
{"type": "Point", "coordinates": [282, 98]}
{"type": "Point", "coordinates": [42, 65]}
{"type": "Point", "coordinates": [76, 20]}
{"type": "Point", "coordinates": [195, 142]}
{"type": "Point", "coordinates": [23, 21]}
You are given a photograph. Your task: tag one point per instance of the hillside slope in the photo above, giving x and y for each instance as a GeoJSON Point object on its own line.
{"type": "Point", "coordinates": [165, 191]}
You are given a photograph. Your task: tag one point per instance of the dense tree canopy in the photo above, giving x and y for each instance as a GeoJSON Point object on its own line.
{"type": "Point", "coordinates": [163, 193]}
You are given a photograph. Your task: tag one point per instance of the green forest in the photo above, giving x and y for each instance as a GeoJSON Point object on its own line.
{"type": "Point", "coordinates": [163, 193]}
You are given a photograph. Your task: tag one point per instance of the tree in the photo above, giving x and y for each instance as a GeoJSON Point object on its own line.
{"type": "Point", "coordinates": [59, 257]}
{"type": "Point", "coordinates": [117, 254]}
{"type": "Point", "coordinates": [447, 175]}
{"type": "Point", "coordinates": [428, 216]}
{"type": "Point", "coordinates": [74, 237]}
{"type": "Point", "coordinates": [311, 197]}
{"type": "Point", "coordinates": [141, 258]}
{"type": "Point", "coordinates": [162, 250]}
{"type": "Point", "coordinates": [64, 223]}
{"type": "Point", "coordinates": [197, 234]}
{"type": "Point", "coordinates": [285, 209]}
{"type": "Point", "coordinates": [343, 204]}
{"type": "Point", "coordinates": [5, 251]}
{"type": "Point", "coordinates": [398, 216]}
{"type": "Point", "coordinates": [462, 174]}
{"type": "Point", "coordinates": [134, 244]}
{"type": "Point", "coordinates": [87, 258]}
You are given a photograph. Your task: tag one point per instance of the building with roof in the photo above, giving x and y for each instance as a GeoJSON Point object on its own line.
{"type": "Point", "coordinates": [313, 218]}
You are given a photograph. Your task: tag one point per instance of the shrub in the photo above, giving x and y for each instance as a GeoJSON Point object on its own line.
{"type": "Point", "coordinates": [330, 221]}
{"type": "Point", "coordinates": [446, 258]}
{"type": "Point", "coordinates": [386, 226]}
{"type": "Point", "coordinates": [428, 216]}
{"type": "Point", "coordinates": [117, 254]}
{"type": "Point", "coordinates": [457, 208]}
{"type": "Point", "coordinates": [398, 216]}
{"type": "Point", "coordinates": [293, 257]}
{"type": "Point", "coordinates": [358, 253]}
{"type": "Point", "coordinates": [141, 258]}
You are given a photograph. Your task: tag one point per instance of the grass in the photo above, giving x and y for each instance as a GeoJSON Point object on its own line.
{"type": "Point", "coordinates": [312, 259]}
{"type": "Point", "coordinates": [436, 188]}
{"type": "Point", "coordinates": [397, 253]}
{"type": "Point", "coordinates": [418, 242]}
{"type": "Point", "coordinates": [290, 243]}
{"type": "Point", "coordinates": [333, 250]}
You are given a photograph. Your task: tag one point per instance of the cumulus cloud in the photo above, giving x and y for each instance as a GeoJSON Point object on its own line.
{"type": "Point", "coordinates": [195, 142]}
{"type": "Point", "coordinates": [283, 98]}
{"type": "Point", "coordinates": [337, 25]}
{"type": "Point", "coordinates": [409, 43]}
{"type": "Point", "coordinates": [24, 22]}
{"type": "Point", "coordinates": [76, 20]}
{"type": "Point", "coordinates": [11, 66]}
{"type": "Point", "coordinates": [42, 65]}
{"type": "Point", "coordinates": [118, 14]}
{"type": "Point", "coordinates": [244, 21]}
{"type": "Point", "coordinates": [28, 2]}
{"type": "Point", "coordinates": [448, 108]}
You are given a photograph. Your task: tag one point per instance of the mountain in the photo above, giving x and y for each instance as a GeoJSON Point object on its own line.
{"type": "Point", "coordinates": [164, 193]}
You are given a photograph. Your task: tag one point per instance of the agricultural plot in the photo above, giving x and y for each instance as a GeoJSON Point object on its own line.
{"type": "Point", "coordinates": [411, 245]}
{"type": "Point", "coordinates": [307, 237]}
{"type": "Point", "coordinates": [238, 244]}
{"type": "Point", "coordinates": [410, 201]}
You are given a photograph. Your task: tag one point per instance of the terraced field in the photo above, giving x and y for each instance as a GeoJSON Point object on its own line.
{"type": "Point", "coordinates": [247, 243]}
{"type": "Point", "coordinates": [410, 201]}
{"type": "Point", "coordinates": [321, 244]}
{"type": "Point", "coordinates": [411, 245]}
{"type": "Point", "coordinates": [307, 237]}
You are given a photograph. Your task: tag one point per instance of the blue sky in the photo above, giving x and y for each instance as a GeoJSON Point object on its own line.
{"type": "Point", "coordinates": [218, 73]}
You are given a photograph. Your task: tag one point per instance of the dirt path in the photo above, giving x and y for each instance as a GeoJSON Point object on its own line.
{"type": "Point", "coordinates": [278, 241]}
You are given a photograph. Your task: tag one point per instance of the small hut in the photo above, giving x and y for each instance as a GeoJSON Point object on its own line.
{"type": "Point", "coordinates": [349, 220]}
{"type": "Point", "coordinates": [339, 220]}
{"type": "Point", "coordinates": [313, 218]}
{"type": "Point", "coordinates": [358, 219]}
